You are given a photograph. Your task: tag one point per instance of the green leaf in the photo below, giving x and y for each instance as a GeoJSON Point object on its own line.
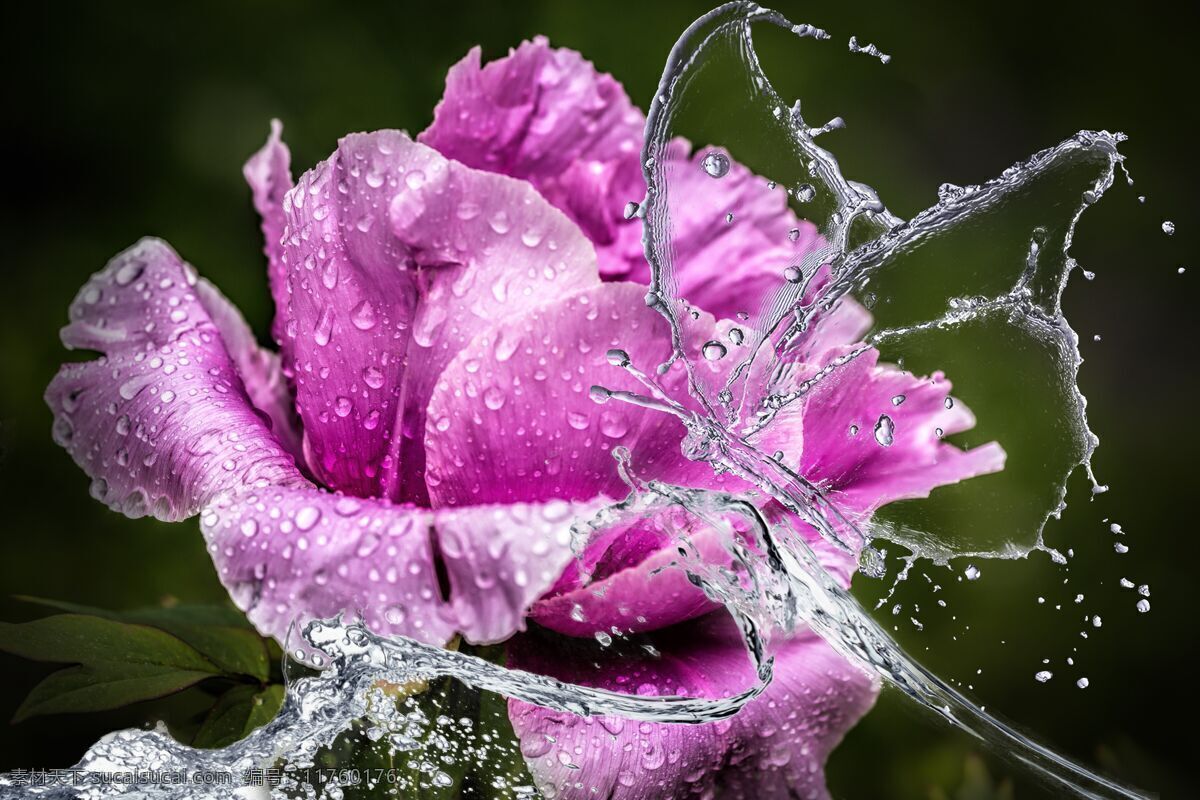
{"type": "Point", "coordinates": [219, 633]}
{"type": "Point", "coordinates": [153, 615]}
{"type": "Point", "coordinates": [79, 639]}
{"type": "Point", "coordinates": [238, 712]}
{"type": "Point", "coordinates": [99, 687]}
{"type": "Point", "coordinates": [119, 663]}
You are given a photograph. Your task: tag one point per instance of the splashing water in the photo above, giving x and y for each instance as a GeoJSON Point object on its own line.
{"type": "Point", "coordinates": [1005, 302]}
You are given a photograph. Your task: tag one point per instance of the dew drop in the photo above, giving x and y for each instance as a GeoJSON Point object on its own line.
{"type": "Point", "coordinates": [716, 164]}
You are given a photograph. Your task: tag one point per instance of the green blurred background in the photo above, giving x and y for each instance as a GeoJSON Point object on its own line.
{"type": "Point", "coordinates": [131, 119]}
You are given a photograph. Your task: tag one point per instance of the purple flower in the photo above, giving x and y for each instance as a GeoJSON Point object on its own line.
{"type": "Point", "coordinates": [423, 440]}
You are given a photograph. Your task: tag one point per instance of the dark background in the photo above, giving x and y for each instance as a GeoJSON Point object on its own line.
{"type": "Point", "coordinates": [131, 119]}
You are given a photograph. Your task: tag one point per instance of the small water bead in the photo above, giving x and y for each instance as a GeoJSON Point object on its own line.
{"type": "Point", "coordinates": [804, 194]}
{"type": "Point", "coordinates": [1168, 227]}
{"type": "Point", "coordinates": [323, 331]}
{"type": "Point", "coordinates": [898, 399]}
{"type": "Point", "coordinates": [307, 517]}
{"type": "Point", "coordinates": [972, 572]}
{"type": "Point", "coordinates": [1143, 606]}
{"type": "Point", "coordinates": [792, 274]}
{"type": "Point", "coordinates": [714, 350]}
{"type": "Point", "coordinates": [949, 402]}
{"type": "Point", "coordinates": [854, 430]}
{"type": "Point", "coordinates": [631, 210]}
{"type": "Point", "coordinates": [1097, 621]}
{"type": "Point", "coordinates": [1120, 548]}
{"type": "Point", "coordinates": [736, 336]}
{"type": "Point", "coordinates": [885, 431]}
{"type": "Point", "coordinates": [1144, 590]}
{"type": "Point", "coordinates": [716, 164]}
{"type": "Point", "coordinates": [1082, 683]}
{"type": "Point", "coordinates": [603, 638]}
{"type": "Point", "coordinates": [342, 406]}
{"type": "Point", "coordinates": [373, 376]}
{"type": "Point", "coordinates": [729, 218]}
{"type": "Point", "coordinates": [493, 398]}
{"type": "Point", "coordinates": [1043, 675]}
{"type": "Point", "coordinates": [363, 316]}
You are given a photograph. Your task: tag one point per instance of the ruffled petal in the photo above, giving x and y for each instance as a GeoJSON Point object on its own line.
{"type": "Point", "coordinates": [162, 422]}
{"type": "Point", "coordinates": [512, 419]}
{"type": "Point", "coordinates": [397, 257]}
{"type": "Point", "coordinates": [732, 239]}
{"type": "Point", "coordinates": [269, 174]}
{"type": "Point", "coordinates": [164, 425]}
{"type": "Point", "coordinates": [547, 116]}
{"type": "Point", "coordinates": [873, 435]}
{"type": "Point", "coordinates": [774, 747]}
{"type": "Point", "coordinates": [288, 554]}
{"type": "Point", "coordinates": [261, 370]}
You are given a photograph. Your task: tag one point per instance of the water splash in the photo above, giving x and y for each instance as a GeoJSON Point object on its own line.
{"type": "Point", "coordinates": [869, 252]}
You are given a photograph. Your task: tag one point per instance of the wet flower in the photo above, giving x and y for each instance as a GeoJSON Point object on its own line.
{"type": "Point", "coordinates": [423, 440]}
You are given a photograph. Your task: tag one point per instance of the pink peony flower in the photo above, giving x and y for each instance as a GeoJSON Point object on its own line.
{"type": "Point", "coordinates": [421, 444]}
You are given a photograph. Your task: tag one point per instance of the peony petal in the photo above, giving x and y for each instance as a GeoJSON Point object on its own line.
{"type": "Point", "coordinates": [869, 451]}
{"type": "Point", "coordinates": [260, 370]}
{"type": "Point", "coordinates": [547, 116]}
{"type": "Point", "coordinates": [774, 747]}
{"type": "Point", "coordinates": [161, 422]}
{"type": "Point", "coordinates": [397, 257]}
{"type": "Point", "coordinates": [511, 418]}
{"type": "Point", "coordinates": [288, 554]}
{"type": "Point", "coordinates": [732, 239]}
{"type": "Point", "coordinates": [269, 174]}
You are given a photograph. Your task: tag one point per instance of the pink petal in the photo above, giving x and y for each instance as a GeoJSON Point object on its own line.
{"type": "Point", "coordinates": [269, 175]}
{"type": "Point", "coordinates": [260, 370]}
{"type": "Point", "coordinates": [162, 422]}
{"type": "Point", "coordinates": [731, 238]}
{"type": "Point", "coordinates": [288, 554]}
{"type": "Point", "coordinates": [511, 418]}
{"type": "Point", "coordinates": [843, 453]}
{"type": "Point", "coordinates": [547, 116]}
{"type": "Point", "coordinates": [397, 257]}
{"type": "Point", "coordinates": [775, 747]}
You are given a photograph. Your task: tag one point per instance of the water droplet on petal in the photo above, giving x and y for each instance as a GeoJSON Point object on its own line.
{"type": "Point", "coordinates": [716, 164]}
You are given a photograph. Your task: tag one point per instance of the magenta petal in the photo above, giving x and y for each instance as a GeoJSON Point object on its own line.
{"type": "Point", "coordinates": [260, 370]}
{"type": "Point", "coordinates": [511, 418]}
{"type": "Point", "coordinates": [288, 554]}
{"type": "Point", "coordinates": [269, 175]}
{"type": "Point", "coordinates": [547, 116]}
{"type": "Point", "coordinates": [775, 747]}
{"type": "Point", "coordinates": [397, 257]}
{"type": "Point", "coordinates": [843, 452]}
{"type": "Point", "coordinates": [740, 219]}
{"type": "Point", "coordinates": [162, 422]}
